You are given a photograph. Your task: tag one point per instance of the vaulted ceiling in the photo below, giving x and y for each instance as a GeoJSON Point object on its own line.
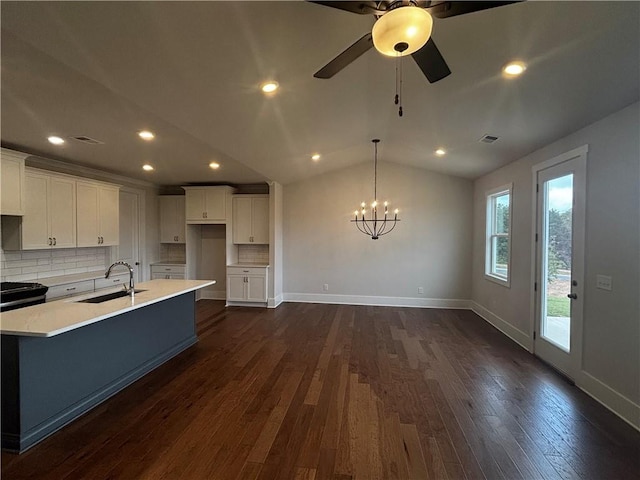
{"type": "Point", "coordinates": [191, 71]}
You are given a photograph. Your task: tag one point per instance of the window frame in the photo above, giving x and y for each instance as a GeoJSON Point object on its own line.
{"type": "Point", "coordinates": [491, 233]}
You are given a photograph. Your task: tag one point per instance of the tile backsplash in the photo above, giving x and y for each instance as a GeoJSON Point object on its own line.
{"type": "Point", "coordinates": [173, 252]}
{"type": "Point", "coordinates": [30, 265]}
{"type": "Point", "coordinates": [253, 254]}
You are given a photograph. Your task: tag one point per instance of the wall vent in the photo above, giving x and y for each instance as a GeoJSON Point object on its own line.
{"type": "Point", "coordinates": [488, 139]}
{"type": "Point", "coordinates": [89, 140]}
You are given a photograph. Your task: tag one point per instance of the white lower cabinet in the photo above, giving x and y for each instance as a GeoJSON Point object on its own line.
{"type": "Point", "coordinates": [167, 272]}
{"type": "Point", "coordinates": [247, 284]}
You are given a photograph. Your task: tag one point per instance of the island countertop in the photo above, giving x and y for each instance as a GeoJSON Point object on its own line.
{"type": "Point", "coordinates": [53, 318]}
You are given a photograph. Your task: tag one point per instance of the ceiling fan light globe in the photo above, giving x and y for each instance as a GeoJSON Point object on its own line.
{"type": "Point", "coordinates": [403, 25]}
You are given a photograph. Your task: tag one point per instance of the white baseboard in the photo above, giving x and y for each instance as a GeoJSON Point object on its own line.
{"type": "Point", "coordinates": [623, 407]}
{"type": "Point", "coordinates": [376, 301]}
{"type": "Point", "coordinates": [518, 336]}
{"type": "Point", "coordinates": [274, 302]}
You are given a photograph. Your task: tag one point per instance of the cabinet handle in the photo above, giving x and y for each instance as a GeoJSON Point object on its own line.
{"type": "Point", "coordinates": [245, 271]}
{"type": "Point", "coordinates": [50, 243]}
{"type": "Point", "coordinates": [101, 239]}
{"type": "Point", "coordinates": [54, 241]}
{"type": "Point", "coordinates": [71, 289]}
{"type": "Point", "coordinates": [167, 269]}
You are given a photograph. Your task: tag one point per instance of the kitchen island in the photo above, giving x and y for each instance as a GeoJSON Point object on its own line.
{"type": "Point", "coordinates": [62, 358]}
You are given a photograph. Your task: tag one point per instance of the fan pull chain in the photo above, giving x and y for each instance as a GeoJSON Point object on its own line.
{"type": "Point", "coordinates": [398, 97]}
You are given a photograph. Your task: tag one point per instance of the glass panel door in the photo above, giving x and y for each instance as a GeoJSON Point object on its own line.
{"type": "Point", "coordinates": [559, 268]}
{"type": "Point", "coordinates": [556, 240]}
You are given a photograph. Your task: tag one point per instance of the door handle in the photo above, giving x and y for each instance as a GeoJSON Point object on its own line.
{"type": "Point", "coordinates": [572, 296]}
{"type": "Point", "coordinates": [54, 241]}
{"type": "Point", "coordinates": [50, 242]}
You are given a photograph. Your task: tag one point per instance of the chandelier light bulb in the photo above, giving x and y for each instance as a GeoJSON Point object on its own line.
{"type": "Point", "coordinates": [396, 211]}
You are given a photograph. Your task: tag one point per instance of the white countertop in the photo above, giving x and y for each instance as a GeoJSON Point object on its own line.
{"type": "Point", "coordinates": [168, 262]}
{"type": "Point", "coordinates": [53, 318]}
{"type": "Point", "coordinates": [247, 265]}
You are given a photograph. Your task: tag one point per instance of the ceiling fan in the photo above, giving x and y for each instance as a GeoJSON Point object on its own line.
{"type": "Point", "coordinates": [402, 27]}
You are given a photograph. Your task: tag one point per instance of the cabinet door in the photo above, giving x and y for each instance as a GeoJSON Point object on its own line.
{"type": "Point", "coordinates": [172, 219]}
{"type": "Point", "coordinates": [167, 205]}
{"type": "Point", "coordinates": [260, 220]}
{"type": "Point", "coordinates": [215, 200]}
{"type": "Point", "coordinates": [195, 204]}
{"type": "Point", "coordinates": [241, 220]}
{"type": "Point", "coordinates": [235, 287]}
{"type": "Point", "coordinates": [35, 222]}
{"type": "Point", "coordinates": [109, 215]}
{"type": "Point", "coordinates": [257, 288]}
{"type": "Point", "coordinates": [12, 186]}
{"type": "Point", "coordinates": [180, 219]}
{"type": "Point", "coordinates": [87, 214]}
{"type": "Point", "coordinates": [62, 212]}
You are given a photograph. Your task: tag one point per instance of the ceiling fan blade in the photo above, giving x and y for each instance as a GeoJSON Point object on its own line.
{"type": "Point", "coordinates": [346, 57]}
{"type": "Point", "coordinates": [361, 8]}
{"type": "Point", "coordinates": [430, 61]}
{"type": "Point", "coordinates": [452, 9]}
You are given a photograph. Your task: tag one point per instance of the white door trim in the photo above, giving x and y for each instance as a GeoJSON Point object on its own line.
{"type": "Point", "coordinates": [581, 154]}
{"type": "Point", "coordinates": [143, 270]}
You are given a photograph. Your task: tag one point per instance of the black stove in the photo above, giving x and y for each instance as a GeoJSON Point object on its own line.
{"type": "Point", "coordinates": [15, 295]}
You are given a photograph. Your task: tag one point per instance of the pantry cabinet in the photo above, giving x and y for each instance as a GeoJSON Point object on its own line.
{"type": "Point", "coordinates": [172, 219]}
{"type": "Point", "coordinates": [12, 180]}
{"type": "Point", "coordinates": [206, 204]}
{"type": "Point", "coordinates": [251, 219]}
{"type": "Point", "coordinates": [98, 214]}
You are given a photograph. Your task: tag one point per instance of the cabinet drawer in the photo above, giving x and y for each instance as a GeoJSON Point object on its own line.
{"type": "Point", "coordinates": [167, 269]}
{"type": "Point", "coordinates": [246, 270]}
{"type": "Point", "coordinates": [112, 281]}
{"type": "Point", "coordinates": [69, 289]}
{"type": "Point", "coordinates": [167, 276]}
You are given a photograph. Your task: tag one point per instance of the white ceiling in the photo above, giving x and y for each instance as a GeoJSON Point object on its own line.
{"type": "Point", "coordinates": [190, 72]}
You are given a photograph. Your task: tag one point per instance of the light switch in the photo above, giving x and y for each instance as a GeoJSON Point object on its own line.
{"type": "Point", "coordinates": [603, 282]}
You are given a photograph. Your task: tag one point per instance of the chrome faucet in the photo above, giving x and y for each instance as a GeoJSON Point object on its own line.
{"type": "Point", "coordinates": [124, 264]}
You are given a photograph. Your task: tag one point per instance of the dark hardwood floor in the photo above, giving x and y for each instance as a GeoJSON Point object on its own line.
{"type": "Point", "coordinates": [311, 391]}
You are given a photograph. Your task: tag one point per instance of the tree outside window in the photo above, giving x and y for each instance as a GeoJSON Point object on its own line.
{"type": "Point", "coordinates": [498, 252]}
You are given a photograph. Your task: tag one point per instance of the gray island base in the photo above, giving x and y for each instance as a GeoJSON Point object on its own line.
{"type": "Point", "coordinates": [48, 382]}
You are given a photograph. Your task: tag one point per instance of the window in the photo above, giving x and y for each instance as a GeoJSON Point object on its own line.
{"type": "Point", "coordinates": [498, 243]}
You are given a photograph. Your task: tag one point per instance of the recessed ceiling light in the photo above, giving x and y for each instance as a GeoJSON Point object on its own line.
{"type": "Point", "coordinates": [514, 69]}
{"type": "Point", "coordinates": [146, 135]}
{"type": "Point", "coordinates": [146, 167]}
{"type": "Point", "coordinates": [214, 165]}
{"type": "Point", "coordinates": [56, 140]}
{"type": "Point", "coordinates": [269, 87]}
{"type": "Point", "coordinates": [315, 157]}
{"type": "Point", "coordinates": [441, 151]}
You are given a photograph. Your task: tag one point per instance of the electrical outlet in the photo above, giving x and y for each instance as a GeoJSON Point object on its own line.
{"type": "Point", "coordinates": [420, 291]}
{"type": "Point", "coordinates": [603, 282]}
{"type": "Point", "coordinates": [325, 287]}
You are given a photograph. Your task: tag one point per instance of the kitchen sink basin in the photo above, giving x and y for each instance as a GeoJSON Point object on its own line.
{"type": "Point", "coordinates": [108, 296]}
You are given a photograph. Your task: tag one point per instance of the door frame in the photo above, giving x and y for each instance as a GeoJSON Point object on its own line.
{"type": "Point", "coordinates": [142, 251]}
{"type": "Point", "coordinates": [580, 154]}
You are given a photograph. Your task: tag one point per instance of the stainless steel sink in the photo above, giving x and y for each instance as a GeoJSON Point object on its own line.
{"type": "Point", "coordinates": [108, 296]}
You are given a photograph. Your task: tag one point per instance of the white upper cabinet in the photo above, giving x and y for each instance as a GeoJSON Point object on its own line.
{"type": "Point", "coordinates": [49, 219]}
{"type": "Point", "coordinates": [98, 214]}
{"type": "Point", "coordinates": [206, 204]}
{"type": "Point", "coordinates": [172, 219]}
{"type": "Point", "coordinates": [12, 182]}
{"type": "Point", "coordinates": [251, 219]}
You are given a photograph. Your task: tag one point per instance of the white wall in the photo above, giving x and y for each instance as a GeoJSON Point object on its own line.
{"type": "Point", "coordinates": [430, 247]}
{"type": "Point", "coordinates": [611, 348]}
{"type": "Point", "coordinates": [276, 244]}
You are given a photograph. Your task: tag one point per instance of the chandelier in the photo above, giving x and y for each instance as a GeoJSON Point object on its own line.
{"type": "Point", "coordinates": [375, 227]}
